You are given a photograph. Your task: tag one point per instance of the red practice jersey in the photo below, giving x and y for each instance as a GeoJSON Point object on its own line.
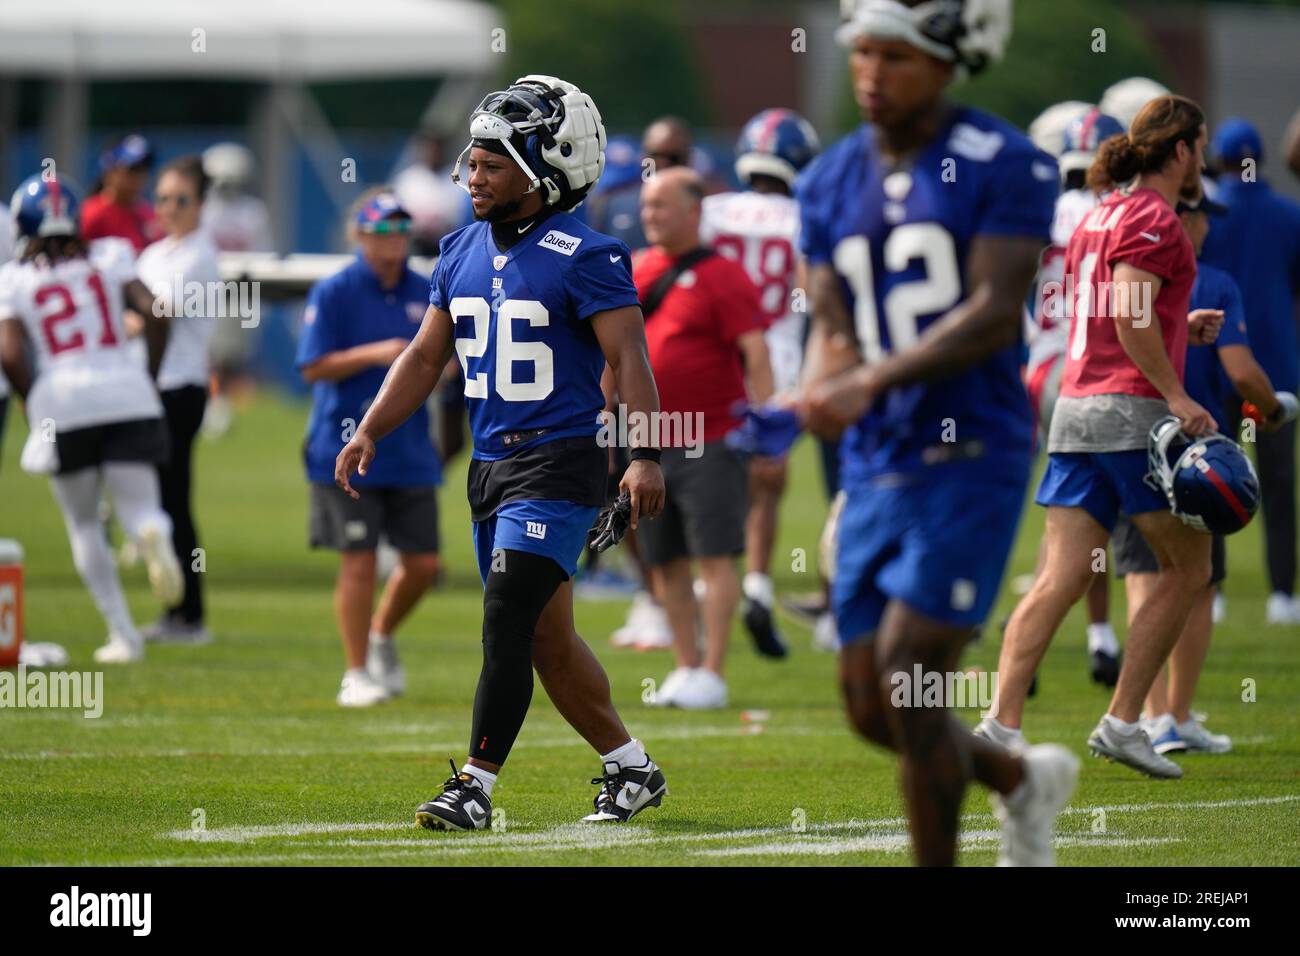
{"type": "Point", "coordinates": [1140, 229]}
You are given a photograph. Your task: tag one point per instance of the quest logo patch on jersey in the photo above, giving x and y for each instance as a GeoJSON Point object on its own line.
{"type": "Point", "coordinates": [560, 242]}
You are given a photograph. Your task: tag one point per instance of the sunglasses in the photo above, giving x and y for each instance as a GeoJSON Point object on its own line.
{"type": "Point", "coordinates": [400, 226]}
{"type": "Point", "coordinates": [668, 159]}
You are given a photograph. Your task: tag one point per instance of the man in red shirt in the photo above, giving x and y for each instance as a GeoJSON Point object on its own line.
{"type": "Point", "coordinates": [118, 207]}
{"type": "Point", "coordinates": [704, 330]}
{"type": "Point", "coordinates": [1127, 264]}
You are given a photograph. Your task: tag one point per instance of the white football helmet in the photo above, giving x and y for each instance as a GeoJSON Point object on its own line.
{"type": "Point", "coordinates": [970, 33]}
{"type": "Point", "coordinates": [1124, 99]}
{"type": "Point", "coordinates": [1047, 131]}
{"type": "Point", "coordinates": [551, 129]}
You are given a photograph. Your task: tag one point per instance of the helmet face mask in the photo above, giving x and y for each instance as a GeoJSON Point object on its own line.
{"type": "Point", "coordinates": [550, 129]}
{"type": "Point", "coordinates": [1209, 481]}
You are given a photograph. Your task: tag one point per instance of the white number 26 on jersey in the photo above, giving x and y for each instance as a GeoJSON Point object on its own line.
{"type": "Point", "coordinates": [509, 351]}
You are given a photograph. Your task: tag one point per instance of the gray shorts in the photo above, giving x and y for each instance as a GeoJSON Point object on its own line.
{"type": "Point", "coordinates": [704, 514]}
{"type": "Point", "coordinates": [407, 517]}
{"type": "Point", "coordinates": [1134, 556]}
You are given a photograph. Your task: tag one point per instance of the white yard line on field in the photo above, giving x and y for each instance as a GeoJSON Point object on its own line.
{"type": "Point", "coordinates": [818, 839]}
{"type": "Point", "coordinates": [456, 746]}
{"type": "Point", "coordinates": [901, 843]}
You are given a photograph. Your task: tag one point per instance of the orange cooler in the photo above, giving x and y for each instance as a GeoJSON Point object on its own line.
{"type": "Point", "coordinates": [11, 601]}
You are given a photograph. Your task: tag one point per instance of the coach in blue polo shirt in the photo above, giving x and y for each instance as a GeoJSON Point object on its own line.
{"type": "Point", "coordinates": [1258, 244]}
{"type": "Point", "coordinates": [356, 324]}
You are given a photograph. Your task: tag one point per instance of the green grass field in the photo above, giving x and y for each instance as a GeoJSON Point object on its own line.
{"type": "Point", "coordinates": [237, 753]}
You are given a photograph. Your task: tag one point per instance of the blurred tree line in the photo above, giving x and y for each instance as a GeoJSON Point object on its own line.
{"type": "Point", "coordinates": [637, 61]}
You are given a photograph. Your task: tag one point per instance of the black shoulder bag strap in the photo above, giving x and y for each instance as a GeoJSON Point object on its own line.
{"type": "Point", "coordinates": [659, 291]}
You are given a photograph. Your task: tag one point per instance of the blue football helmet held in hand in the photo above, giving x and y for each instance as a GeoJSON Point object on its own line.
{"type": "Point", "coordinates": [1210, 483]}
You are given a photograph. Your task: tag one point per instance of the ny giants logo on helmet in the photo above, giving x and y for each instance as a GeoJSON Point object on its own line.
{"type": "Point", "coordinates": [1209, 483]}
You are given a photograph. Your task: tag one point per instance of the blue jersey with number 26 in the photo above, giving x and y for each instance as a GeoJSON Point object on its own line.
{"type": "Point", "coordinates": [530, 358]}
{"type": "Point", "coordinates": [899, 239]}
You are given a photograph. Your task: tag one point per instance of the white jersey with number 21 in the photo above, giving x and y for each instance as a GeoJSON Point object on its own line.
{"type": "Point", "coordinates": [72, 313]}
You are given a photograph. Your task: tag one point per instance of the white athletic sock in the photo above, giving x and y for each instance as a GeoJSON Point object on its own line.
{"type": "Point", "coordinates": [758, 587]}
{"type": "Point", "coordinates": [136, 500]}
{"type": "Point", "coordinates": [78, 497]}
{"type": "Point", "coordinates": [1101, 637]}
{"type": "Point", "coordinates": [1004, 728]}
{"type": "Point", "coordinates": [486, 778]}
{"type": "Point", "coordinates": [377, 638]}
{"type": "Point", "coordinates": [1122, 726]}
{"type": "Point", "coordinates": [631, 754]}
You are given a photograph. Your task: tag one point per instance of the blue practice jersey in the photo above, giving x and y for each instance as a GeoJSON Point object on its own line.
{"type": "Point", "coordinates": [530, 358]}
{"type": "Point", "coordinates": [348, 309]}
{"type": "Point", "coordinates": [1205, 379]}
{"type": "Point", "coordinates": [1258, 244]}
{"type": "Point", "coordinates": [899, 240]}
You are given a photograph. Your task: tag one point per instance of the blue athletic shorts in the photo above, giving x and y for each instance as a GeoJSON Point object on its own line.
{"type": "Point", "coordinates": [939, 546]}
{"type": "Point", "coordinates": [1101, 483]}
{"type": "Point", "coordinates": [553, 529]}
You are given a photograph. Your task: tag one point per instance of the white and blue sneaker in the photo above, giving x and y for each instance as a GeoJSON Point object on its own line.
{"type": "Point", "coordinates": [1163, 731]}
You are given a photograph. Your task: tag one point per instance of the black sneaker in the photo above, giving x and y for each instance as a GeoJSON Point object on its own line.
{"type": "Point", "coordinates": [463, 805]}
{"type": "Point", "coordinates": [626, 791]}
{"type": "Point", "coordinates": [762, 628]}
{"type": "Point", "coordinates": [807, 607]}
{"type": "Point", "coordinates": [1104, 668]}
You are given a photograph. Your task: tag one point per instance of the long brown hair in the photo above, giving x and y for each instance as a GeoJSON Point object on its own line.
{"type": "Point", "coordinates": [53, 249]}
{"type": "Point", "coordinates": [1151, 140]}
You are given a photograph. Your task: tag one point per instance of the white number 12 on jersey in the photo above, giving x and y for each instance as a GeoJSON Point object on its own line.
{"type": "Point", "coordinates": [509, 351]}
{"type": "Point", "coordinates": [906, 301]}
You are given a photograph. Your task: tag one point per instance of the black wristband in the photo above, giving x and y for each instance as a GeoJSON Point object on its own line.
{"type": "Point", "coordinates": [647, 454]}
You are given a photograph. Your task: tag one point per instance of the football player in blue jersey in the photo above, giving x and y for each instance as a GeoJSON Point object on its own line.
{"type": "Point", "coordinates": [534, 303]}
{"type": "Point", "coordinates": [922, 230]}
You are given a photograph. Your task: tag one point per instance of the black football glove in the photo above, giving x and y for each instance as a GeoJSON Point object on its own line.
{"type": "Point", "coordinates": [611, 524]}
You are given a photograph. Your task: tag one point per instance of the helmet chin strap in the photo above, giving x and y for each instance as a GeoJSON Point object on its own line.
{"type": "Point", "coordinates": [534, 183]}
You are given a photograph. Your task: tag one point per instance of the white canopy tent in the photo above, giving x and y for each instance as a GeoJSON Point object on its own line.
{"type": "Point", "coordinates": [285, 44]}
{"type": "Point", "coordinates": [245, 39]}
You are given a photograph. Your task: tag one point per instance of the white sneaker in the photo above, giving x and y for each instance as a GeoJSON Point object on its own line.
{"type": "Point", "coordinates": [666, 693]}
{"type": "Point", "coordinates": [1012, 738]}
{"type": "Point", "coordinates": [164, 570]}
{"type": "Point", "coordinates": [646, 627]}
{"type": "Point", "coordinates": [120, 649]}
{"type": "Point", "coordinates": [1133, 749]}
{"type": "Point", "coordinates": [825, 635]}
{"type": "Point", "coordinates": [1220, 610]}
{"type": "Point", "coordinates": [1281, 608]}
{"type": "Point", "coordinates": [703, 690]}
{"type": "Point", "coordinates": [359, 689]}
{"type": "Point", "coordinates": [384, 668]}
{"type": "Point", "coordinates": [1029, 819]}
{"type": "Point", "coordinates": [42, 654]}
{"type": "Point", "coordinates": [1200, 740]}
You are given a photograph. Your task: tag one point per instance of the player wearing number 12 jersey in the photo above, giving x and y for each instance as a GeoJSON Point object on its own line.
{"type": "Point", "coordinates": [922, 230]}
{"type": "Point", "coordinates": [94, 415]}
{"type": "Point", "coordinates": [534, 304]}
